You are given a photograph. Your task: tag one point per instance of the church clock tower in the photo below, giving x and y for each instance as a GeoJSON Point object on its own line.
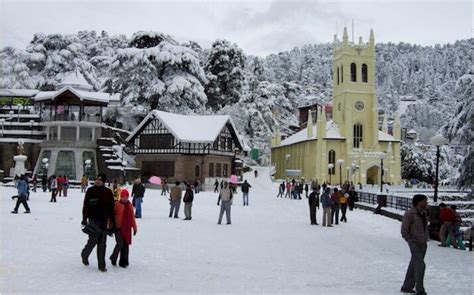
{"type": "Point", "coordinates": [354, 98]}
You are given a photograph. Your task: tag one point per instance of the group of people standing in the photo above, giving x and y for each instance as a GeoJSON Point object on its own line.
{"type": "Point", "coordinates": [450, 233]}
{"type": "Point", "coordinates": [103, 214]}
{"type": "Point", "coordinates": [58, 186]}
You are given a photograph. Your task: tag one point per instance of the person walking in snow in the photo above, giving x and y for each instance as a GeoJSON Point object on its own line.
{"type": "Point", "coordinates": [335, 206]}
{"type": "Point", "coordinates": [138, 192]}
{"type": "Point", "coordinates": [98, 212]}
{"type": "Point", "coordinates": [65, 185]}
{"type": "Point", "coordinates": [188, 202]}
{"type": "Point", "coordinates": [124, 223]}
{"type": "Point", "coordinates": [281, 190]}
{"type": "Point", "coordinates": [245, 192]}
{"type": "Point", "coordinates": [164, 188]}
{"type": "Point", "coordinates": [414, 231]}
{"type": "Point", "coordinates": [226, 197]}
{"type": "Point", "coordinates": [44, 183]}
{"type": "Point", "coordinates": [216, 186]}
{"type": "Point", "coordinates": [22, 195]}
{"type": "Point", "coordinates": [256, 173]}
{"type": "Point", "coordinates": [343, 203]}
{"type": "Point", "coordinates": [34, 181]}
{"type": "Point", "coordinates": [59, 181]}
{"type": "Point", "coordinates": [288, 190]}
{"type": "Point", "coordinates": [84, 183]}
{"type": "Point", "coordinates": [196, 186]}
{"type": "Point", "coordinates": [327, 203]}
{"type": "Point", "coordinates": [313, 202]}
{"type": "Point", "coordinates": [54, 186]}
{"type": "Point", "coordinates": [306, 188]}
{"type": "Point", "coordinates": [175, 199]}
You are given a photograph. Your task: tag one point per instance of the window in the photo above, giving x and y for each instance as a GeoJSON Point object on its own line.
{"type": "Point", "coordinates": [225, 168]}
{"type": "Point", "coordinates": [216, 144]}
{"type": "Point", "coordinates": [337, 75]}
{"type": "Point", "coordinates": [156, 141]}
{"type": "Point", "coordinates": [218, 170]}
{"type": "Point", "coordinates": [357, 135]}
{"type": "Point", "coordinates": [197, 171]}
{"type": "Point", "coordinates": [222, 143]}
{"type": "Point", "coordinates": [353, 72]}
{"type": "Point", "coordinates": [229, 143]}
{"type": "Point", "coordinates": [211, 169]}
{"type": "Point", "coordinates": [66, 164]}
{"type": "Point", "coordinates": [158, 168]}
{"type": "Point", "coordinates": [364, 73]}
{"type": "Point", "coordinates": [332, 160]}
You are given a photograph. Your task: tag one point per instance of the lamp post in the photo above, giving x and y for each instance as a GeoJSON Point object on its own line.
{"type": "Point", "coordinates": [287, 158]}
{"type": "Point", "coordinates": [330, 166]}
{"type": "Point", "coordinates": [382, 156]}
{"type": "Point", "coordinates": [88, 167]}
{"type": "Point", "coordinates": [437, 140]}
{"type": "Point", "coordinates": [45, 166]}
{"type": "Point", "coordinates": [340, 162]}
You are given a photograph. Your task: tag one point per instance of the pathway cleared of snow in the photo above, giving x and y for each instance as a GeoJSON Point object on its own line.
{"type": "Point", "coordinates": [269, 248]}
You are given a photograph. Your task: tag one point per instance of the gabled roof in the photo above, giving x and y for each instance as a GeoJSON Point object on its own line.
{"type": "Point", "coordinates": [18, 92]}
{"type": "Point", "coordinates": [83, 95]}
{"type": "Point", "coordinates": [332, 132]}
{"type": "Point", "coordinates": [189, 128]}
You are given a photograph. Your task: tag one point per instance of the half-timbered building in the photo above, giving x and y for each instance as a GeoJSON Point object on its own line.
{"type": "Point", "coordinates": [185, 148]}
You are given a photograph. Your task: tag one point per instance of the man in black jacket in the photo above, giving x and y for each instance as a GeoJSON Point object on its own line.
{"type": "Point", "coordinates": [188, 202]}
{"type": "Point", "coordinates": [245, 191]}
{"type": "Point", "coordinates": [313, 201]}
{"type": "Point", "coordinates": [138, 192]}
{"type": "Point", "coordinates": [98, 212]}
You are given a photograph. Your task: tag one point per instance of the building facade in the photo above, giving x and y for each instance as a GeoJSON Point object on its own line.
{"type": "Point", "coordinates": [348, 146]}
{"type": "Point", "coordinates": [186, 148]}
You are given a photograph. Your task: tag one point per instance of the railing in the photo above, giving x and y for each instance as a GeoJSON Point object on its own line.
{"type": "Point", "coordinates": [396, 202]}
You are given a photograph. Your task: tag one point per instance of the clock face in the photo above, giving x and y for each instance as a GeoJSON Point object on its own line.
{"type": "Point", "coordinates": [359, 105]}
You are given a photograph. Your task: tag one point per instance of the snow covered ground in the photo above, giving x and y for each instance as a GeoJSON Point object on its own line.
{"type": "Point", "coordinates": [269, 248]}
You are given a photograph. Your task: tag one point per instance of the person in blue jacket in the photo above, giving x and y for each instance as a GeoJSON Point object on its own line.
{"type": "Point", "coordinates": [22, 187]}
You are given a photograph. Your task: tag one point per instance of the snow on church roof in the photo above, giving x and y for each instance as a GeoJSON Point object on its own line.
{"type": "Point", "coordinates": [385, 137]}
{"type": "Point", "coordinates": [76, 80]}
{"type": "Point", "coordinates": [332, 132]}
{"type": "Point", "coordinates": [189, 128]}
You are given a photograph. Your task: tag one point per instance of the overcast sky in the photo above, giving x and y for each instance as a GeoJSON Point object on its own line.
{"type": "Point", "coordinates": [258, 27]}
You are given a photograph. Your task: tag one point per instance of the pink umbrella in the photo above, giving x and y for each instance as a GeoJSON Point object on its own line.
{"type": "Point", "coordinates": [155, 180]}
{"type": "Point", "coordinates": [233, 179]}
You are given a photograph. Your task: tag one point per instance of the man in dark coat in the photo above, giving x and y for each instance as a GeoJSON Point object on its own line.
{"type": "Point", "coordinates": [188, 202]}
{"type": "Point", "coordinates": [98, 212]}
{"type": "Point", "coordinates": [313, 201]}
{"type": "Point", "coordinates": [216, 186]}
{"type": "Point", "coordinates": [245, 191]}
{"type": "Point", "coordinates": [138, 192]}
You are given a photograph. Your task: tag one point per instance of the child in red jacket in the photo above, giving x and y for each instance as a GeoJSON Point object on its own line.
{"type": "Point", "coordinates": [124, 223]}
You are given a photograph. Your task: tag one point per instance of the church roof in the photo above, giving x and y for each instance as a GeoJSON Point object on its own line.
{"type": "Point", "coordinates": [189, 128]}
{"type": "Point", "coordinates": [385, 136]}
{"type": "Point", "coordinates": [75, 80]}
{"type": "Point", "coordinates": [332, 132]}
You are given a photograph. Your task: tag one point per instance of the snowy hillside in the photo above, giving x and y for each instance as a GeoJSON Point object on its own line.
{"type": "Point", "coordinates": [269, 248]}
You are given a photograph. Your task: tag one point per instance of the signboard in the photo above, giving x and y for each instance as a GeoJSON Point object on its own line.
{"type": "Point", "coordinates": [13, 101]}
{"type": "Point", "coordinates": [254, 153]}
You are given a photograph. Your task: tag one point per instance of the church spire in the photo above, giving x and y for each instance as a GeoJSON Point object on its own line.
{"type": "Point", "coordinates": [345, 37]}
{"type": "Point", "coordinates": [309, 125]}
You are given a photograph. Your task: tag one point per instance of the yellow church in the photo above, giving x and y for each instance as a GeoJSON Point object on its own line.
{"type": "Point", "coordinates": [349, 145]}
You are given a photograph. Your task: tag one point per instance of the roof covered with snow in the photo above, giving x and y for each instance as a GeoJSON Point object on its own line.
{"type": "Point", "coordinates": [385, 136]}
{"type": "Point", "coordinates": [83, 95]}
{"type": "Point", "coordinates": [18, 92]}
{"type": "Point", "coordinates": [75, 80]}
{"type": "Point", "coordinates": [332, 132]}
{"type": "Point", "coordinates": [189, 128]}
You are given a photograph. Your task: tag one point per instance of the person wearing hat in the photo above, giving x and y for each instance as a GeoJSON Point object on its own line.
{"type": "Point", "coordinates": [98, 211]}
{"type": "Point", "coordinates": [124, 223]}
{"type": "Point", "coordinates": [415, 232]}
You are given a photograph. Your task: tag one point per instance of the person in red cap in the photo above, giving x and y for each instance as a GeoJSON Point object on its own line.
{"type": "Point", "coordinates": [124, 223]}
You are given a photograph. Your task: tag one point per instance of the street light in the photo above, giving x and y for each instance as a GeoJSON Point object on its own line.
{"type": "Point", "coordinates": [437, 140]}
{"type": "Point", "coordinates": [382, 156]}
{"type": "Point", "coordinates": [340, 162]}
{"type": "Point", "coordinates": [88, 167]}
{"type": "Point", "coordinates": [330, 166]}
{"type": "Point", "coordinates": [45, 166]}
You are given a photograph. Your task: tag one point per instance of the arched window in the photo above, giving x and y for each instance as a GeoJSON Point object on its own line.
{"type": "Point", "coordinates": [364, 73]}
{"type": "Point", "coordinates": [342, 74]}
{"type": "Point", "coordinates": [353, 72]}
{"type": "Point", "coordinates": [197, 171]}
{"type": "Point", "coordinates": [332, 160]}
{"type": "Point", "coordinates": [337, 75]}
{"type": "Point", "coordinates": [357, 135]}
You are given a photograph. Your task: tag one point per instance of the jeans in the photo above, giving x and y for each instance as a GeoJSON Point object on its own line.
{"type": "Point", "coordinates": [335, 214]}
{"type": "Point", "coordinates": [312, 213]}
{"type": "Point", "coordinates": [137, 202]}
{"type": "Point", "coordinates": [21, 200]}
{"type": "Point", "coordinates": [175, 207]}
{"type": "Point", "coordinates": [53, 195]}
{"type": "Point", "coordinates": [246, 199]}
{"type": "Point", "coordinates": [100, 241]}
{"type": "Point", "coordinates": [120, 248]}
{"type": "Point", "coordinates": [225, 207]}
{"type": "Point", "coordinates": [83, 188]}
{"type": "Point", "coordinates": [343, 212]}
{"type": "Point", "coordinates": [416, 269]}
{"type": "Point", "coordinates": [187, 210]}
